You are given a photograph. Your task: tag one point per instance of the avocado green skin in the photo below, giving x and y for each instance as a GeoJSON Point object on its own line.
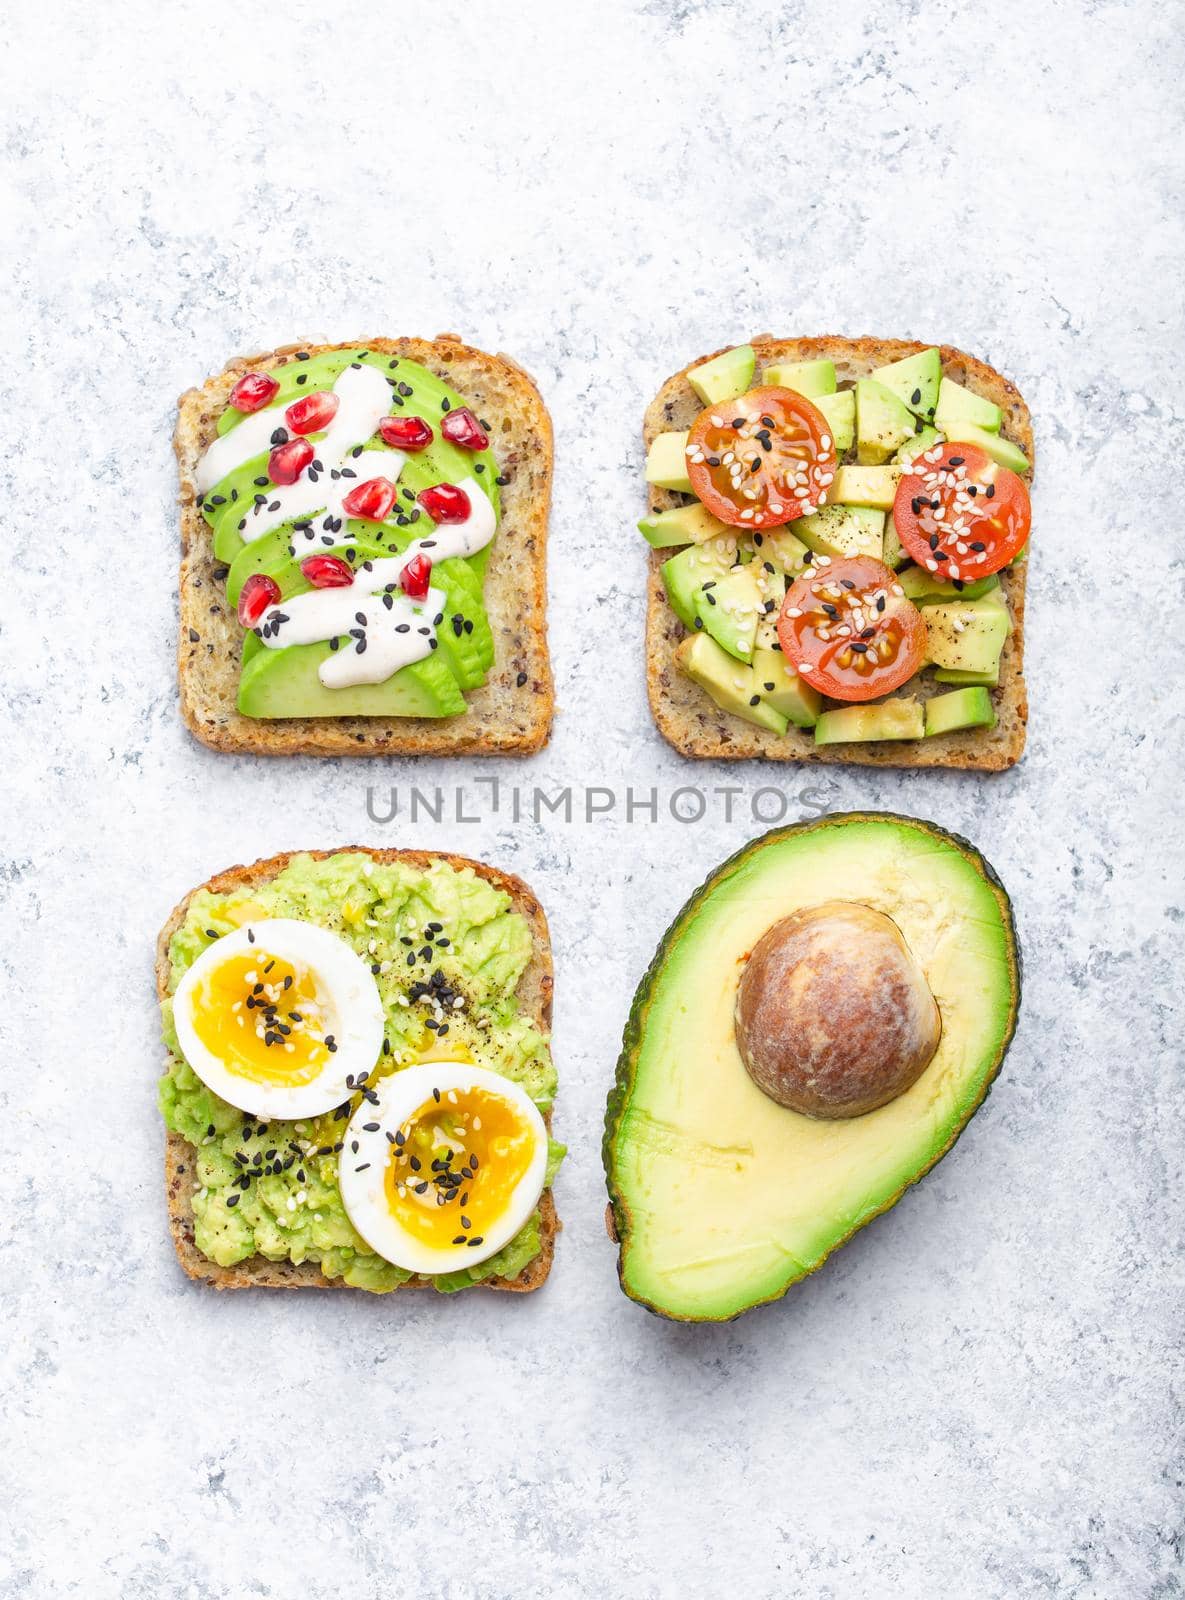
{"type": "Point", "coordinates": [636, 1026]}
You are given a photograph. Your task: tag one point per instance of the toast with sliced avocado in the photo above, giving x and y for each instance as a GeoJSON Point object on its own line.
{"type": "Point", "coordinates": [258, 1198]}
{"type": "Point", "coordinates": [887, 594]}
{"type": "Point", "coordinates": [364, 532]}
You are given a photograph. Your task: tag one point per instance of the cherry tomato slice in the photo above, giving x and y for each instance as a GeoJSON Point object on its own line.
{"type": "Point", "coordinates": [847, 628]}
{"type": "Point", "coordinates": [960, 514]}
{"type": "Point", "coordinates": [761, 460]}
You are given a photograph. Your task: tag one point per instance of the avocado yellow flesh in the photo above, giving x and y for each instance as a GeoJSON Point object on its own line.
{"type": "Point", "coordinates": [721, 1198]}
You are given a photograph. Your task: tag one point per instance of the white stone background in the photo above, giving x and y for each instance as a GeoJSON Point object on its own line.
{"type": "Point", "coordinates": [979, 1397]}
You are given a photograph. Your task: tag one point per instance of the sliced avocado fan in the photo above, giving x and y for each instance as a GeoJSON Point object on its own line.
{"type": "Point", "coordinates": [284, 683]}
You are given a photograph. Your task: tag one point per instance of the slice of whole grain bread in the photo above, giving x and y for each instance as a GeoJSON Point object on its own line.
{"type": "Point", "coordinates": [505, 716]}
{"type": "Point", "coordinates": [534, 996]}
{"type": "Point", "coordinates": [689, 720]}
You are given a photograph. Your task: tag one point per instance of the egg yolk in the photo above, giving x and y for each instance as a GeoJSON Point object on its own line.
{"type": "Point", "coordinates": [454, 1166]}
{"type": "Point", "coordinates": [265, 1019]}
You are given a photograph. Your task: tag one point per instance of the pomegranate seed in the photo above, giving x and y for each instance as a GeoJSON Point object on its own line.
{"type": "Point", "coordinates": [405, 433]}
{"type": "Point", "coordinates": [253, 391]}
{"type": "Point", "coordinates": [327, 572]}
{"type": "Point", "coordinates": [416, 577]}
{"type": "Point", "coordinates": [288, 461]}
{"type": "Point", "coordinates": [372, 500]}
{"type": "Point", "coordinates": [444, 502]}
{"type": "Point", "coordinates": [312, 412]}
{"type": "Point", "coordinates": [257, 594]}
{"type": "Point", "coordinates": [462, 427]}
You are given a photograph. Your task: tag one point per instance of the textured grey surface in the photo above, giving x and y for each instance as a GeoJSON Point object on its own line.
{"type": "Point", "coordinates": [978, 1396]}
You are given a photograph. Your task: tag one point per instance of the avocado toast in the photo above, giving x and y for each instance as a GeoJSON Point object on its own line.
{"type": "Point", "coordinates": [713, 696]}
{"type": "Point", "coordinates": [257, 1203]}
{"type": "Point", "coordinates": [363, 532]}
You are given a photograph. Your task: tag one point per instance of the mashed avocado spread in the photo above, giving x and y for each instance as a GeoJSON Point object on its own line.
{"type": "Point", "coordinates": [426, 932]}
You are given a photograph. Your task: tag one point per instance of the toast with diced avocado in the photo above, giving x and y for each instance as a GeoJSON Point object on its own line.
{"type": "Point", "coordinates": [233, 703]}
{"type": "Point", "coordinates": [533, 998]}
{"type": "Point", "coordinates": [908, 383]}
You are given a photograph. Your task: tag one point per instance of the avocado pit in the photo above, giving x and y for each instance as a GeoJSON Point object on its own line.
{"type": "Point", "coordinates": [834, 1016]}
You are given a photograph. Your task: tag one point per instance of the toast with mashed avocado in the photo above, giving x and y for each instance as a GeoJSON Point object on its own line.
{"type": "Point", "coordinates": [363, 535]}
{"type": "Point", "coordinates": [322, 1013]}
{"type": "Point", "coordinates": [751, 650]}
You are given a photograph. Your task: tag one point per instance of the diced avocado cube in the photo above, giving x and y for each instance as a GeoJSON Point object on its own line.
{"type": "Point", "coordinates": [691, 524]}
{"type": "Point", "coordinates": [967, 635]}
{"type": "Point", "coordinates": [810, 378]}
{"type": "Point", "coordinates": [914, 380]}
{"type": "Point", "coordinates": [865, 486]}
{"type": "Point", "coordinates": [843, 531]}
{"type": "Point", "coordinates": [785, 549]}
{"type": "Point", "coordinates": [781, 687]}
{"type": "Point", "coordinates": [666, 462]}
{"type": "Point", "coordinates": [725, 376]}
{"type": "Point", "coordinates": [683, 575]}
{"type": "Point", "coordinates": [840, 411]}
{"type": "Point", "coordinates": [883, 423]}
{"type": "Point", "coordinates": [1002, 451]}
{"type": "Point", "coordinates": [728, 683]}
{"type": "Point", "coordinates": [912, 448]}
{"type": "Point", "coordinates": [890, 719]}
{"type": "Point", "coordinates": [894, 556]}
{"type": "Point", "coordinates": [730, 608]}
{"type": "Point", "coordinates": [958, 407]}
{"type": "Point", "coordinates": [953, 676]}
{"type": "Point", "coordinates": [962, 708]}
{"type": "Point", "coordinates": [927, 589]}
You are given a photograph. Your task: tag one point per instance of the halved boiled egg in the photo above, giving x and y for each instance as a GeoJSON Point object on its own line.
{"type": "Point", "coordinates": [448, 1167]}
{"type": "Point", "coordinates": [275, 1016]}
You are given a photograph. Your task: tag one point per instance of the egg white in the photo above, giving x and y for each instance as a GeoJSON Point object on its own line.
{"type": "Point", "coordinates": [362, 1173]}
{"type": "Point", "coordinates": [343, 978]}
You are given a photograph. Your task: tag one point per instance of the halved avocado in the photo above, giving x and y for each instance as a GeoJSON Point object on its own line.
{"type": "Point", "coordinates": [721, 1199]}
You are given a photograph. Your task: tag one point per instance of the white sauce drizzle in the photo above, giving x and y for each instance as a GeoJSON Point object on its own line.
{"type": "Point", "coordinates": [393, 636]}
{"type": "Point", "coordinates": [364, 397]}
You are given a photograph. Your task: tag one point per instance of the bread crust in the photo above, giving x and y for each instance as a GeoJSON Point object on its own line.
{"type": "Point", "coordinates": [534, 995]}
{"type": "Point", "coordinates": [688, 719]}
{"type": "Point", "coordinates": [503, 717]}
